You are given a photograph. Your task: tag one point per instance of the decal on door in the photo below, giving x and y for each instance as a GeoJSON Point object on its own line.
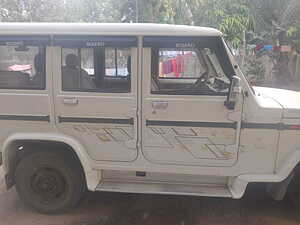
{"type": "Point", "coordinates": [106, 134]}
{"type": "Point", "coordinates": [105, 142]}
{"type": "Point", "coordinates": [201, 142]}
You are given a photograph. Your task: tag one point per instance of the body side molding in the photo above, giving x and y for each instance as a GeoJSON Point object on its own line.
{"type": "Point", "coordinates": [25, 118]}
{"type": "Point", "coordinates": [95, 120]}
{"type": "Point", "coordinates": [272, 126]}
{"type": "Point", "coordinates": [190, 124]}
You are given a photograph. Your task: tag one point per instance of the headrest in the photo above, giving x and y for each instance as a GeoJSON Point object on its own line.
{"type": "Point", "coordinates": [72, 60]}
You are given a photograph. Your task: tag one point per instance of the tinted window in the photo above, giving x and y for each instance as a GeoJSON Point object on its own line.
{"type": "Point", "coordinates": [22, 67]}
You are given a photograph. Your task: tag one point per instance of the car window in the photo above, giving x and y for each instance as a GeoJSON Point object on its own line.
{"type": "Point", "coordinates": [22, 67]}
{"type": "Point", "coordinates": [96, 69]}
{"type": "Point", "coordinates": [182, 64]}
{"type": "Point", "coordinates": [189, 66]}
{"type": "Point", "coordinates": [92, 63]}
{"type": "Point", "coordinates": [117, 62]}
{"type": "Point", "coordinates": [193, 71]}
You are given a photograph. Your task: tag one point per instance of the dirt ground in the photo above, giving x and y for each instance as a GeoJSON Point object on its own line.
{"type": "Point", "coordinates": [255, 208]}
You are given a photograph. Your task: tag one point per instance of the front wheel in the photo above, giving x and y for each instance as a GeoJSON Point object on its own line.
{"type": "Point", "coordinates": [49, 182]}
{"type": "Point", "coordinates": [294, 188]}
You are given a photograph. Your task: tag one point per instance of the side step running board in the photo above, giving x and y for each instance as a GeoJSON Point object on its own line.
{"type": "Point", "coordinates": [164, 188]}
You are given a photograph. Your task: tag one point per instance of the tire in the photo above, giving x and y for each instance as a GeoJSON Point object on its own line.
{"type": "Point", "coordinates": [50, 182]}
{"type": "Point", "coordinates": [293, 193]}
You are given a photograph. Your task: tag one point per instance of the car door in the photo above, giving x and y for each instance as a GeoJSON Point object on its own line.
{"type": "Point", "coordinates": [25, 84]}
{"type": "Point", "coordinates": [184, 120]}
{"type": "Point", "coordinates": [95, 94]}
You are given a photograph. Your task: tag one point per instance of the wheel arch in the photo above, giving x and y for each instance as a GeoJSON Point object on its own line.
{"type": "Point", "coordinates": [12, 143]}
{"type": "Point", "coordinates": [278, 181]}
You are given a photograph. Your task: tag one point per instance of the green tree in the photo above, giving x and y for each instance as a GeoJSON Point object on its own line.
{"type": "Point", "coordinates": [294, 35]}
{"type": "Point", "coordinates": [230, 16]}
{"type": "Point", "coordinates": [91, 11]}
{"type": "Point", "coordinates": [144, 11]}
{"type": "Point", "coordinates": [276, 21]}
{"type": "Point", "coordinates": [155, 11]}
{"type": "Point", "coordinates": [31, 10]}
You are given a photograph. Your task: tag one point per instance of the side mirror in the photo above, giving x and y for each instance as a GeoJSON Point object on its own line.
{"type": "Point", "coordinates": [234, 92]}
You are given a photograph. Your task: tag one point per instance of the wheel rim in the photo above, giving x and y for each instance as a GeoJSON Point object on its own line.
{"type": "Point", "coordinates": [48, 184]}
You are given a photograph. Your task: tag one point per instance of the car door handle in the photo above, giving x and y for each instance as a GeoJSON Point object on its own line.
{"type": "Point", "coordinates": [70, 101]}
{"type": "Point", "coordinates": [160, 104]}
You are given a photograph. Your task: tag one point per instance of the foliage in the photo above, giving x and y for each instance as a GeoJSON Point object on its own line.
{"type": "Point", "coordinates": [91, 11]}
{"type": "Point", "coordinates": [277, 22]}
{"type": "Point", "coordinates": [294, 35]}
{"type": "Point", "coordinates": [230, 16]}
{"type": "Point", "coordinates": [255, 68]}
{"type": "Point", "coordinates": [155, 11]}
{"type": "Point", "coordinates": [274, 15]}
{"type": "Point", "coordinates": [31, 10]}
{"type": "Point", "coordinates": [233, 19]}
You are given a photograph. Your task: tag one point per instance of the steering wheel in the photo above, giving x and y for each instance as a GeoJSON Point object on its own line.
{"type": "Point", "coordinates": [201, 80]}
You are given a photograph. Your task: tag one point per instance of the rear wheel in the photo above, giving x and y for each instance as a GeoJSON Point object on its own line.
{"type": "Point", "coordinates": [50, 182]}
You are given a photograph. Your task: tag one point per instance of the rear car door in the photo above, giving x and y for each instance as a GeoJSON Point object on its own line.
{"type": "Point", "coordinates": [184, 118]}
{"type": "Point", "coordinates": [95, 94]}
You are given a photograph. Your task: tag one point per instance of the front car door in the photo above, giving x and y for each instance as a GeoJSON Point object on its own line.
{"type": "Point", "coordinates": [185, 86]}
{"type": "Point", "coordinates": [95, 94]}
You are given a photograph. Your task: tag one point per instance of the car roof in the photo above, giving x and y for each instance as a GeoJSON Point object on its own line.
{"type": "Point", "coordinates": [126, 29]}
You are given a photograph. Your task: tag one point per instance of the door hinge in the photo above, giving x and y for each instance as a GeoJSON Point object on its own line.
{"type": "Point", "coordinates": [235, 116]}
{"type": "Point", "coordinates": [138, 113]}
{"type": "Point", "coordinates": [134, 112]}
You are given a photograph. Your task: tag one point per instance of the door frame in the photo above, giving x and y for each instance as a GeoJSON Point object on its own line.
{"type": "Point", "coordinates": [131, 114]}
{"type": "Point", "coordinates": [234, 115]}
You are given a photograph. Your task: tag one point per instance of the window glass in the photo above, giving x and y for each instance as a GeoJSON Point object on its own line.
{"type": "Point", "coordinates": [87, 60]}
{"type": "Point", "coordinates": [96, 69]}
{"type": "Point", "coordinates": [179, 64]}
{"type": "Point", "coordinates": [75, 73]}
{"type": "Point", "coordinates": [22, 67]}
{"type": "Point", "coordinates": [188, 72]}
{"type": "Point", "coordinates": [116, 62]}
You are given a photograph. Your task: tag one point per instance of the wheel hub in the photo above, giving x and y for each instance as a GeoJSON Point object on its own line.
{"type": "Point", "coordinates": [48, 183]}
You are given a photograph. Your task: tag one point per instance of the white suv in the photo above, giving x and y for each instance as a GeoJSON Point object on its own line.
{"type": "Point", "coordinates": [140, 108]}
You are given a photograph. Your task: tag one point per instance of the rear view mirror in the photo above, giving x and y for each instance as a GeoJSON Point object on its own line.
{"type": "Point", "coordinates": [234, 92]}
